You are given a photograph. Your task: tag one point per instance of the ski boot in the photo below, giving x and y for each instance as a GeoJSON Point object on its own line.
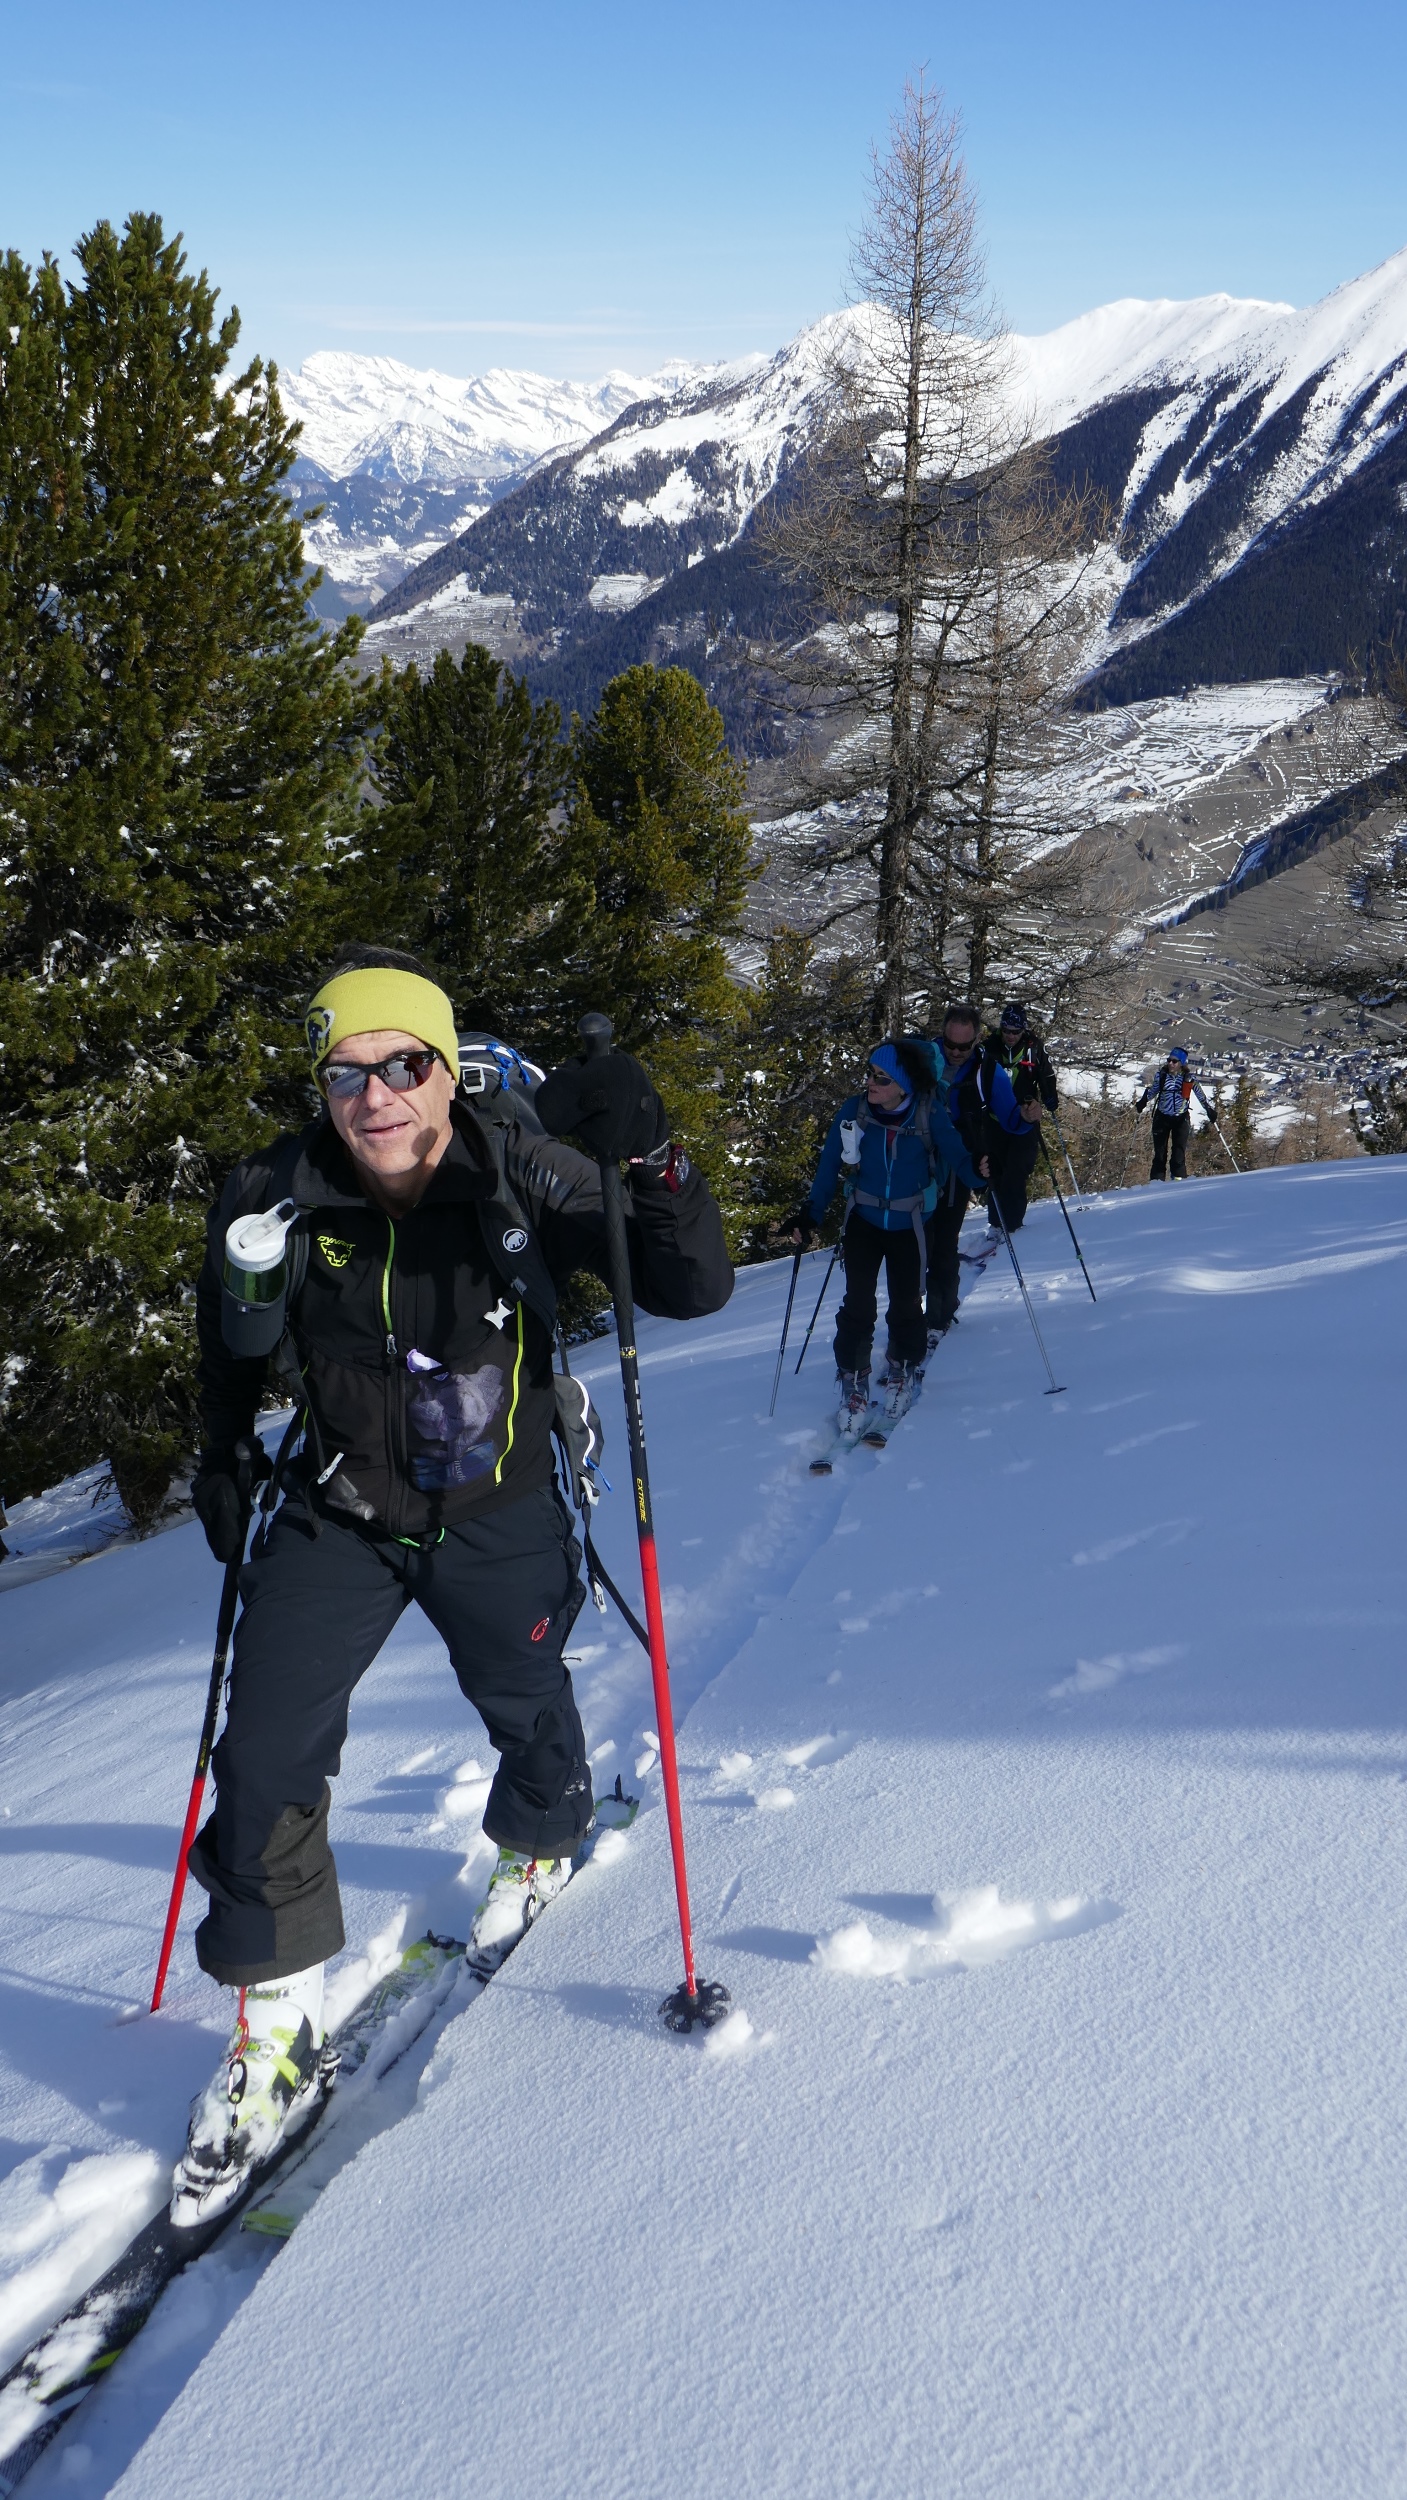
{"type": "Point", "coordinates": [519, 1888]}
{"type": "Point", "coordinates": [936, 1335]}
{"type": "Point", "coordinates": [901, 1387]}
{"type": "Point", "coordinates": [276, 2073]}
{"type": "Point", "coordinates": [854, 1405]}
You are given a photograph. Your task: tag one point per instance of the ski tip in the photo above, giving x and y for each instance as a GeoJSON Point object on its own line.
{"type": "Point", "coordinates": [821, 1467]}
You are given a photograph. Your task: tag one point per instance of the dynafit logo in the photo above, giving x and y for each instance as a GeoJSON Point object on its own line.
{"type": "Point", "coordinates": [336, 1252]}
{"type": "Point", "coordinates": [318, 1026]}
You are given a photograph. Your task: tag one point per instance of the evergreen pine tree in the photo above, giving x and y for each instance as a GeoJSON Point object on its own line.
{"type": "Point", "coordinates": [472, 774]}
{"type": "Point", "coordinates": [800, 1047]}
{"type": "Point", "coordinates": [180, 750]}
{"type": "Point", "coordinates": [658, 831]}
{"type": "Point", "coordinates": [658, 825]}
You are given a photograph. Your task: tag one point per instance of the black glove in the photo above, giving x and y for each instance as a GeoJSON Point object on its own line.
{"type": "Point", "coordinates": [802, 1222]}
{"type": "Point", "coordinates": [222, 1491]}
{"type": "Point", "coordinates": [607, 1102]}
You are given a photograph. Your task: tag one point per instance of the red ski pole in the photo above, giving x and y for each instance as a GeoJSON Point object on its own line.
{"type": "Point", "coordinates": [224, 1626]}
{"type": "Point", "coordinates": [698, 2001]}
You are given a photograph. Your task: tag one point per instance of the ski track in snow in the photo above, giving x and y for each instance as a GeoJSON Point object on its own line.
{"type": "Point", "coordinates": [1120, 2207]}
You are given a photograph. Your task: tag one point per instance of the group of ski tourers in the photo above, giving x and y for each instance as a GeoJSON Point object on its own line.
{"type": "Point", "coordinates": [939, 1122]}
{"type": "Point", "coordinates": [395, 1267]}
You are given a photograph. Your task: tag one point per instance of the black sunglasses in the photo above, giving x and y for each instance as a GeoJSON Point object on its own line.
{"type": "Point", "coordinates": [406, 1069]}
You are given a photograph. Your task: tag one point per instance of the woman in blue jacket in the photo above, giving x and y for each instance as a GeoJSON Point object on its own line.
{"type": "Point", "coordinates": [893, 1148]}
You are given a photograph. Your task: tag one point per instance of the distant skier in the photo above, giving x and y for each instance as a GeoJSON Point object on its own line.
{"type": "Point", "coordinates": [420, 1346]}
{"type": "Point", "coordinates": [893, 1147]}
{"type": "Point", "coordinates": [1171, 1093]}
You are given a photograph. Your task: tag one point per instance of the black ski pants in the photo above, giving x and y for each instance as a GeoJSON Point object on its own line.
{"type": "Point", "coordinates": [502, 1591]}
{"type": "Point", "coordinates": [1169, 1131]}
{"type": "Point", "coordinates": [942, 1229]}
{"type": "Point", "coordinates": [866, 1248]}
{"type": "Point", "coordinates": [1011, 1161]}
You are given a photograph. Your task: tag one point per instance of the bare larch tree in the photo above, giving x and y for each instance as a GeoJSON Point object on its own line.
{"type": "Point", "coordinates": [945, 578]}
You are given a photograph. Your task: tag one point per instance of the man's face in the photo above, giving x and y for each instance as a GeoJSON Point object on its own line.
{"type": "Point", "coordinates": [958, 1040]}
{"type": "Point", "coordinates": [390, 1133]}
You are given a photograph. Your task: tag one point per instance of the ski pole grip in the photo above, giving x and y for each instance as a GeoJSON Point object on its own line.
{"type": "Point", "coordinates": [596, 1031]}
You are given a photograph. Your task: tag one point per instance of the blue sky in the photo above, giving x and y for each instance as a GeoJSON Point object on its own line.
{"type": "Point", "coordinates": [578, 186]}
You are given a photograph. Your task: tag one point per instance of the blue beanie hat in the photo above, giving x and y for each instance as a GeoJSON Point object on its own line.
{"type": "Point", "coordinates": [886, 1058]}
{"type": "Point", "coordinates": [1179, 1053]}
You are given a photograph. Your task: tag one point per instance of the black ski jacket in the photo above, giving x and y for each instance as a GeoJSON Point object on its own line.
{"type": "Point", "coordinates": [425, 1341]}
{"type": "Point", "coordinates": [1027, 1066]}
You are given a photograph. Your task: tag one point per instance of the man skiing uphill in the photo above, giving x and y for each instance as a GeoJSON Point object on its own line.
{"type": "Point", "coordinates": [1014, 1051]}
{"type": "Point", "coordinates": [894, 1147]}
{"type": "Point", "coordinates": [1170, 1094]}
{"type": "Point", "coordinates": [953, 1054]}
{"type": "Point", "coordinates": [419, 1340]}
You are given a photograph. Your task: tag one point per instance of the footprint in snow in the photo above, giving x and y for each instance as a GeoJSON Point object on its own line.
{"type": "Point", "coordinates": [969, 1929]}
{"type": "Point", "coordinates": [817, 1751]}
{"type": "Point", "coordinates": [1096, 1675]}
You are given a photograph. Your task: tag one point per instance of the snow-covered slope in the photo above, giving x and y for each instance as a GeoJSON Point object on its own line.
{"type": "Point", "coordinates": [1043, 1785]}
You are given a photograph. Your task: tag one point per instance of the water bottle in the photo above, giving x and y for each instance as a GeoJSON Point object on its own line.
{"type": "Point", "coordinates": [255, 1283]}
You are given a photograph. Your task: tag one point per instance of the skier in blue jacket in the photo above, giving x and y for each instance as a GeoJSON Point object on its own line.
{"type": "Point", "coordinates": [893, 1146]}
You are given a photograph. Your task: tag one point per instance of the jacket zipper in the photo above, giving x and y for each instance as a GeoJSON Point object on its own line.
{"type": "Point", "coordinates": [391, 1346]}
{"type": "Point", "coordinates": [395, 1391]}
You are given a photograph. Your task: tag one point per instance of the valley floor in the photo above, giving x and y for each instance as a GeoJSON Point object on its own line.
{"type": "Point", "coordinates": [1046, 1783]}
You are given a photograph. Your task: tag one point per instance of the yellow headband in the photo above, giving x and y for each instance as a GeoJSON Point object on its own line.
{"type": "Point", "coordinates": [379, 1000]}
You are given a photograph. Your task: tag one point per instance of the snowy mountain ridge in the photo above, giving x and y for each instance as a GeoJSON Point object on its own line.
{"type": "Point", "coordinates": [1240, 445]}
{"type": "Point", "coordinates": [390, 419]}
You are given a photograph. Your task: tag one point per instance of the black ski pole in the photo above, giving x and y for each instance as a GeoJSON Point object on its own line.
{"type": "Point", "coordinates": [786, 1323]}
{"type": "Point", "coordinates": [1056, 1388]}
{"type": "Point", "coordinates": [825, 1280]}
{"type": "Point", "coordinates": [1069, 1227]}
{"type": "Point", "coordinates": [1216, 1124]}
{"type": "Point", "coordinates": [1060, 1133]}
{"type": "Point", "coordinates": [698, 2001]}
{"type": "Point", "coordinates": [224, 1626]}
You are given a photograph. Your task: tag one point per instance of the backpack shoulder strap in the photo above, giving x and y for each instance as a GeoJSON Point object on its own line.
{"type": "Point", "coordinates": [295, 1249]}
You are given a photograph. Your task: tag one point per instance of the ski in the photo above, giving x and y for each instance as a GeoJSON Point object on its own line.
{"type": "Point", "coordinates": [824, 1462]}
{"type": "Point", "coordinates": [50, 2381]}
{"type": "Point", "coordinates": [877, 1436]}
{"type": "Point", "coordinates": [73, 2356]}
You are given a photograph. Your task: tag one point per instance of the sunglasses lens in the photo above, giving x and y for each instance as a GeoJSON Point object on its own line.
{"type": "Point", "coordinates": [408, 1069]}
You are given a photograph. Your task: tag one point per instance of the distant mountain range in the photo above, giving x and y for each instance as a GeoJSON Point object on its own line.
{"type": "Point", "coordinates": [403, 460]}
{"type": "Point", "coordinates": [1255, 457]}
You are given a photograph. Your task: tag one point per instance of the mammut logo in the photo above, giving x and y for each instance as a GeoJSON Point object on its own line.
{"type": "Point", "coordinates": [540, 1630]}
{"type": "Point", "coordinates": [318, 1026]}
{"type": "Point", "coordinates": [336, 1252]}
{"type": "Point", "coordinates": [516, 1240]}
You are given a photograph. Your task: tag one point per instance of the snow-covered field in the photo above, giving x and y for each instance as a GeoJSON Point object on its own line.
{"type": "Point", "coordinates": [1046, 1781]}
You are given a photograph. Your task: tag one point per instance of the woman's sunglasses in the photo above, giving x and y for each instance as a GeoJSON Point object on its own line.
{"type": "Point", "coordinates": [344, 1080]}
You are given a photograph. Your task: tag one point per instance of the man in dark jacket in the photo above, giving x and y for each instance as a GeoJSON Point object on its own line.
{"type": "Point", "coordinates": [1014, 1083]}
{"type": "Point", "coordinates": [420, 1344]}
{"type": "Point", "coordinates": [953, 1055]}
